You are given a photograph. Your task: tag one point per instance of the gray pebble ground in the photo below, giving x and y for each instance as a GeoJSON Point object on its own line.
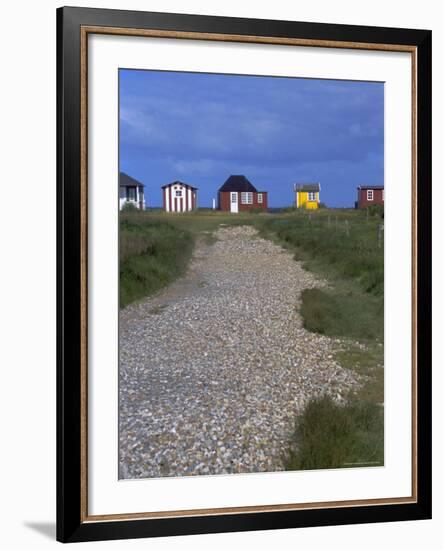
{"type": "Point", "coordinates": [215, 368]}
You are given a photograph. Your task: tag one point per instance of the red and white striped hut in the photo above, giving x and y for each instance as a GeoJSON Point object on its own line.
{"type": "Point", "coordinates": [179, 197]}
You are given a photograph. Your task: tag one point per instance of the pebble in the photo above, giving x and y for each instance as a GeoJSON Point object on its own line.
{"type": "Point", "coordinates": [213, 376]}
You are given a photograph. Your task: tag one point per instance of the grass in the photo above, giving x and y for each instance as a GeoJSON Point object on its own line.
{"type": "Point", "coordinates": [156, 247]}
{"type": "Point", "coordinates": [152, 255]}
{"type": "Point", "coordinates": [341, 246]}
{"type": "Point", "coordinates": [350, 434]}
{"type": "Point", "coordinates": [367, 360]}
{"type": "Point", "coordinates": [334, 436]}
{"type": "Point", "coordinates": [350, 314]}
{"type": "Point", "coordinates": [199, 222]}
{"type": "Point", "coordinates": [346, 248]}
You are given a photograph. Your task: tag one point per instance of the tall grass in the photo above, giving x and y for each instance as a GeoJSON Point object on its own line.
{"type": "Point", "coordinates": [347, 249]}
{"type": "Point", "coordinates": [342, 246]}
{"type": "Point", "coordinates": [152, 255]}
{"type": "Point", "coordinates": [344, 313]}
{"type": "Point", "coordinates": [334, 436]}
{"type": "Point", "coordinates": [344, 243]}
{"type": "Point", "coordinates": [155, 247]}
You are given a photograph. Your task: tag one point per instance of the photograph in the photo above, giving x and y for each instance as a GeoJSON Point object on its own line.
{"type": "Point", "coordinates": [243, 324]}
{"type": "Point", "coordinates": [218, 294]}
{"type": "Point", "coordinates": [251, 273]}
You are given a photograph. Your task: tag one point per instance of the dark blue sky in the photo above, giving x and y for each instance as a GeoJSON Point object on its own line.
{"type": "Point", "coordinates": [200, 128]}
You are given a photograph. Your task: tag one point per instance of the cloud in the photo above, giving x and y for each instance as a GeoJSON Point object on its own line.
{"type": "Point", "coordinates": [201, 167]}
{"type": "Point", "coordinates": [205, 126]}
{"type": "Point", "coordinates": [273, 134]}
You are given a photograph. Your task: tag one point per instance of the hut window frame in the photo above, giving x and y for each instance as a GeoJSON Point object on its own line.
{"type": "Point", "coordinates": [246, 197]}
{"type": "Point", "coordinates": [131, 193]}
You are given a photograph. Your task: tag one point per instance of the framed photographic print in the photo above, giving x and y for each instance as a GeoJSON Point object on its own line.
{"type": "Point", "coordinates": [244, 271]}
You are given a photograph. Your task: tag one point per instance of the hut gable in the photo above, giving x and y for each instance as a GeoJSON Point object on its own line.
{"type": "Point", "coordinates": [238, 194]}
{"type": "Point", "coordinates": [369, 195]}
{"type": "Point", "coordinates": [239, 184]}
{"type": "Point", "coordinates": [131, 192]}
{"type": "Point", "coordinates": [307, 195]}
{"type": "Point", "coordinates": [179, 196]}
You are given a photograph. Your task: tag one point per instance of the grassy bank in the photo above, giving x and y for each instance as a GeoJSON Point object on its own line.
{"type": "Point", "coordinates": [341, 312]}
{"type": "Point", "coordinates": [155, 247]}
{"type": "Point", "coordinates": [346, 248]}
{"type": "Point", "coordinates": [334, 436]}
{"type": "Point", "coordinates": [345, 435]}
{"type": "Point", "coordinates": [152, 255]}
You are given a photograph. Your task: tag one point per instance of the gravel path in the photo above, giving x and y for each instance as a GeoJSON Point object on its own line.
{"type": "Point", "coordinates": [215, 369]}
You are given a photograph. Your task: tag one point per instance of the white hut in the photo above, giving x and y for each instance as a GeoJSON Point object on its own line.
{"type": "Point", "coordinates": [179, 197]}
{"type": "Point", "coordinates": [131, 192]}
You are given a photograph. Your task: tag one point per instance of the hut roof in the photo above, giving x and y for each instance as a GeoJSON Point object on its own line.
{"type": "Point", "coordinates": [127, 181]}
{"type": "Point", "coordinates": [307, 187]}
{"type": "Point", "coordinates": [177, 182]}
{"type": "Point", "coordinates": [238, 183]}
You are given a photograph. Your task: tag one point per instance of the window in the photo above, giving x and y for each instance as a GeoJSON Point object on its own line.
{"type": "Point", "coordinates": [178, 192]}
{"type": "Point", "coordinates": [131, 193]}
{"type": "Point", "coordinates": [246, 198]}
{"type": "Point", "coordinates": [311, 196]}
{"type": "Point", "coordinates": [370, 195]}
{"type": "Point", "coordinates": [260, 198]}
{"type": "Point", "coordinates": [233, 197]}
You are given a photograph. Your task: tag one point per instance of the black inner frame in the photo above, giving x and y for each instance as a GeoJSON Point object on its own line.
{"type": "Point", "coordinates": [69, 525]}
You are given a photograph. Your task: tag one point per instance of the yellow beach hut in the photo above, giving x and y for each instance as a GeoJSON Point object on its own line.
{"type": "Point", "coordinates": [307, 195]}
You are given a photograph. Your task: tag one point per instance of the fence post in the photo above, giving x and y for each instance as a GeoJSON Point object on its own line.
{"type": "Point", "coordinates": [380, 228]}
{"type": "Point", "coordinates": [347, 228]}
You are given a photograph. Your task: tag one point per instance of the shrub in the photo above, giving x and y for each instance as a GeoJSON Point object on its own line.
{"type": "Point", "coordinates": [331, 246]}
{"type": "Point", "coordinates": [329, 435]}
{"type": "Point", "coordinates": [129, 207]}
{"type": "Point", "coordinates": [376, 210]}
{"type": "Point", "coordinates": [342, 246]}
{"type": "Point", "coordinates": [256, 210]}
{"type": "Point", "coordinates": [338, 313]}
{"type": "Point", "coordinates": [152, 255]}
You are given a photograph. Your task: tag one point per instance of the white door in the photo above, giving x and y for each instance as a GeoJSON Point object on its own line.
{"type": "Point", "coordinates": [234, 202]}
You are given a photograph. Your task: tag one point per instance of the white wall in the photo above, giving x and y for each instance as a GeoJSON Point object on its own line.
{"type": "Point", "coordinates": [27, 302]}
{"type": "Point", "coordinates": [184, 202]}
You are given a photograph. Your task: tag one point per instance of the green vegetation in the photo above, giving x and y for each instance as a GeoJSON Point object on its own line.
{"type": "Point", "coordinates": [156, 247]}
{"type": "Point", "coordinates": [152, 255]}
{"type": "Point", "coordinates": [350, 314]}
{"type": "Point", "coordinates": [335, 436]}
{"type": "Point", "coordinates": [343, 246]}
{"type": "Point", "coordinates": [367, 360]}
{"type": "Point", "coordinates": [346, 248]}
{"type": "Point", "coordinates": [129, 207]}
{"type": "Point", "coordinates": [376, 210]}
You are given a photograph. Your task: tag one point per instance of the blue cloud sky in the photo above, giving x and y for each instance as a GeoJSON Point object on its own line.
{"type": "Point", "coordinates": [200, 128]}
